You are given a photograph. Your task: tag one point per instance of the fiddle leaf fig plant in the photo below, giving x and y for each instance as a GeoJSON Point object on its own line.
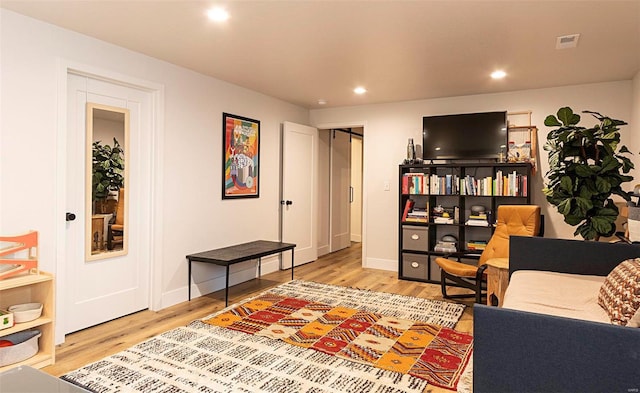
{"type": "Point", "coordinates": [586, 167]}
{"type": "Point", "coordinates": [108, 169]}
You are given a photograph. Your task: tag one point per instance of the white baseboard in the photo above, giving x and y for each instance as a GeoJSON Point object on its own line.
{"type": "Point", "coordinates": [382, 264]}
{"type": "Point", "coordinates": [246, 271]}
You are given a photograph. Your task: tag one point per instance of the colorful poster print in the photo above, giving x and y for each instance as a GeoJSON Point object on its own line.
{"type": "Point", "coordinates": [241, 157]}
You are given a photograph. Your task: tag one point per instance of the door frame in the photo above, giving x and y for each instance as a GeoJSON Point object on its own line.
{"type": "Point", "coordinates": [332, 196]}
{"type": "Point", "coordinates": [156, 91]}
{"type": "Point", "coordinates": [356, 124]}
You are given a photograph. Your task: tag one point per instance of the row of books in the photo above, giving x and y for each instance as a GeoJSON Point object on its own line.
{"type": "Point", "coordinates": [476, 245]}
{"type": "Point", "coordinates": [509, 184]}
{"type": "Point", "coordinates": [415, 183]}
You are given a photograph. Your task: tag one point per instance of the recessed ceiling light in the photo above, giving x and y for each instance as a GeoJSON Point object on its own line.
{"type": "Point", "coordinates": [498, 74]}
{"type": "Point", "coordinates": [359, 90]}
{"type": "Point", "coordinates": [322, 102]}
{"type": "Point", "coordinates": [218, 14]}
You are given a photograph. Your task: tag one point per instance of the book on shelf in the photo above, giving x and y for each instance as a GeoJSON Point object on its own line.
{"type": "Point", "coordinates": [478, 245]}
{"type": "Point", "coordinates": [413, 213]}
{"type": "Point", "coordinates": [445, 247]}
{"type": "Point", "coordinates": [477, 223]}
{"type": "Point", "coordinates": [418, 211]}
{"type": "Point", "coordinates": [444, 184]}
{"type": "Point", "coordinates": [443, 220]}
{"type": "Point", "coordinates": [415, 183]}
{"type": "Point", "coordinates": [417, 215]}
{"type": "Point", "coordinates": [407, 208]}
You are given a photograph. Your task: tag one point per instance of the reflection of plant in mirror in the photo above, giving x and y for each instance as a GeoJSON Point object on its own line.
{"type": "Point", "coordinates": [108, 169]}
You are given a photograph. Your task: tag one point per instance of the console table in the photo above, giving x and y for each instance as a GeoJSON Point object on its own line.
{"type": "Point", "coordinates": [228, 256]}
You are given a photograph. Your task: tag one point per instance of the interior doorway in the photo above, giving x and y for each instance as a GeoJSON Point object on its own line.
{"type": "Point", "coordinates": [143, 218]}
{"type": "Point", "coordinates": [340, 188]}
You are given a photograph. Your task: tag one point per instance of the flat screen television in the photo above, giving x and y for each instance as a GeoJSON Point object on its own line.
{"type": "Point", "coordinates": [464, 136]}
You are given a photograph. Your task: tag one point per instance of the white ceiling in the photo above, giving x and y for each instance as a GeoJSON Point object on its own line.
{"type": "Point", "coordinates": [302, 51]}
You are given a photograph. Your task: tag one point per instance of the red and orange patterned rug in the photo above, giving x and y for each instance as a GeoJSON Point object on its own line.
{"type": "Point", "coordinates": [428, 351]}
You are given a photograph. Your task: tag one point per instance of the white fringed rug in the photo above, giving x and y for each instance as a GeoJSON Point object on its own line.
{"type": "Point", "coordinates": [205, 358]}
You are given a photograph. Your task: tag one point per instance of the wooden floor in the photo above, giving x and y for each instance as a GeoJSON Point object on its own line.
{"type": "Point", "coordinates": [339, 268]}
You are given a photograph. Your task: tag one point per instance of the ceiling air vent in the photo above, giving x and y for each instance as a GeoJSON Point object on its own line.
{"type": "Point", "coordinates": [567, 41]}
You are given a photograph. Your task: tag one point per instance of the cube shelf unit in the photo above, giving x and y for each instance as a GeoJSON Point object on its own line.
{"type": "Point", "coordinates": [32, 288]}
{"type": "Point", "coordinates": [457, 187]}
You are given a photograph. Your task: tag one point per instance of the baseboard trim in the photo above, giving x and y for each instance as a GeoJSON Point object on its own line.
{"type": "Point", "coordinates": [381, 264]}
{"type": "Point", "coordinates": [246, 271]}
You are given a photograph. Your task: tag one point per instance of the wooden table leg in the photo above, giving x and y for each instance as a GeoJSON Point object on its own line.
{"type": "Point", "coordinates": [497, 282]}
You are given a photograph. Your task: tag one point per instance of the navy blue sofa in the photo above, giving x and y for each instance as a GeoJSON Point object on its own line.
{"type": "Point", "coordinates": [517, 351]}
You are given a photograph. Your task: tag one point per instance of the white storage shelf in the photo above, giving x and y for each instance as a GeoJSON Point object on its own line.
{"type": "Point", "coordinates": [32, 288]}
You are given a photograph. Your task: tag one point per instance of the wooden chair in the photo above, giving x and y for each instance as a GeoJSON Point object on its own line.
{"type": "Point", "coordinates": [115, 233]}
{"type": "Point", "coordinates": [522, 220]}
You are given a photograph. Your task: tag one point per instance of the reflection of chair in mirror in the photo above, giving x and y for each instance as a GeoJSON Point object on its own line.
{"type": "Point", "coordinates": [521, 220]}
{"type": "Point", "coordinates": [115, 234]}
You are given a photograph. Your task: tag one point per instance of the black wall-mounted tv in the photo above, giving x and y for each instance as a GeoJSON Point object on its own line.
{"type": "Point", "coordinates": [464, 136]}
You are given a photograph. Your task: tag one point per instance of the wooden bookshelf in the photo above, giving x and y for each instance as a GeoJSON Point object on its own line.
{"type": "Point", "coordinates": [32, 288]}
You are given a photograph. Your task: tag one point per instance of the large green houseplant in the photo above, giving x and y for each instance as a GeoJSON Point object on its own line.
{"type": "Point", "coordinates": [108, 169]}
{"type": "Point", "coordinates": [586, 167]}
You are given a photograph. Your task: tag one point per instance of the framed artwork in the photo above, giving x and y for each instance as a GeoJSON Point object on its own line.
{"type": "Point", "coordinates": [241, 157]}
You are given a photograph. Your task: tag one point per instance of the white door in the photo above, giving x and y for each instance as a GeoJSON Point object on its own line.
{"type": "Point", "coordinates": [340, 190]}
{"type": "Point", "coordinates": [356, 189]}
{"type": "Point", "coordinates": [299, 191]}
{"type": "Point", "coordinates": [104, 289]}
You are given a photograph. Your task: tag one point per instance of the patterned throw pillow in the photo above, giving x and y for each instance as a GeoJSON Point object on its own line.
{"type": "Point", "coordinates": [620, 293]}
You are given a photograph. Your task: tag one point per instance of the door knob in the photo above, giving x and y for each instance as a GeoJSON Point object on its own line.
{"type": "Point", "coordinates": [287, 202]}
{"type": "Point", "coordinates": [70, 216]}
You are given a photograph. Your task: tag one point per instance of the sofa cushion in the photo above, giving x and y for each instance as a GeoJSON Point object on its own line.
{"type": "Point", "coordinates": [557, 294]}
{"type": "Point", "coordinates": [619, 295]}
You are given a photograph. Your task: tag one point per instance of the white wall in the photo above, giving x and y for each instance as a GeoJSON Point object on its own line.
{"type": "Point", "coordinates": [390, 125]}
{"type": "Point", "coordinates": [193, 214]}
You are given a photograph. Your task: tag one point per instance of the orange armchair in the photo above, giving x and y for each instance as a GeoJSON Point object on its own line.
{"type": "Point", "coordinates": [521, 220]}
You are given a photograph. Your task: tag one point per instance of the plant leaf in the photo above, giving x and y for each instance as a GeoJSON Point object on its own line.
{"type": "Point", "coordinates": [566, 184]}
{"type": "Point", "coordinates": [564, 207]}
{"type": "Point", "coordinates": [551, 121]}
{"type": "Point", "coordinates": [584, 170]}
{"type": "Point", "coordinates": [567, 117]}
{"type": "Point", "coordinates": [602, 185]}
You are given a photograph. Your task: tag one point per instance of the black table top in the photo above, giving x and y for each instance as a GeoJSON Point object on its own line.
{"type": "Point", "coordinates": [240, 252]}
